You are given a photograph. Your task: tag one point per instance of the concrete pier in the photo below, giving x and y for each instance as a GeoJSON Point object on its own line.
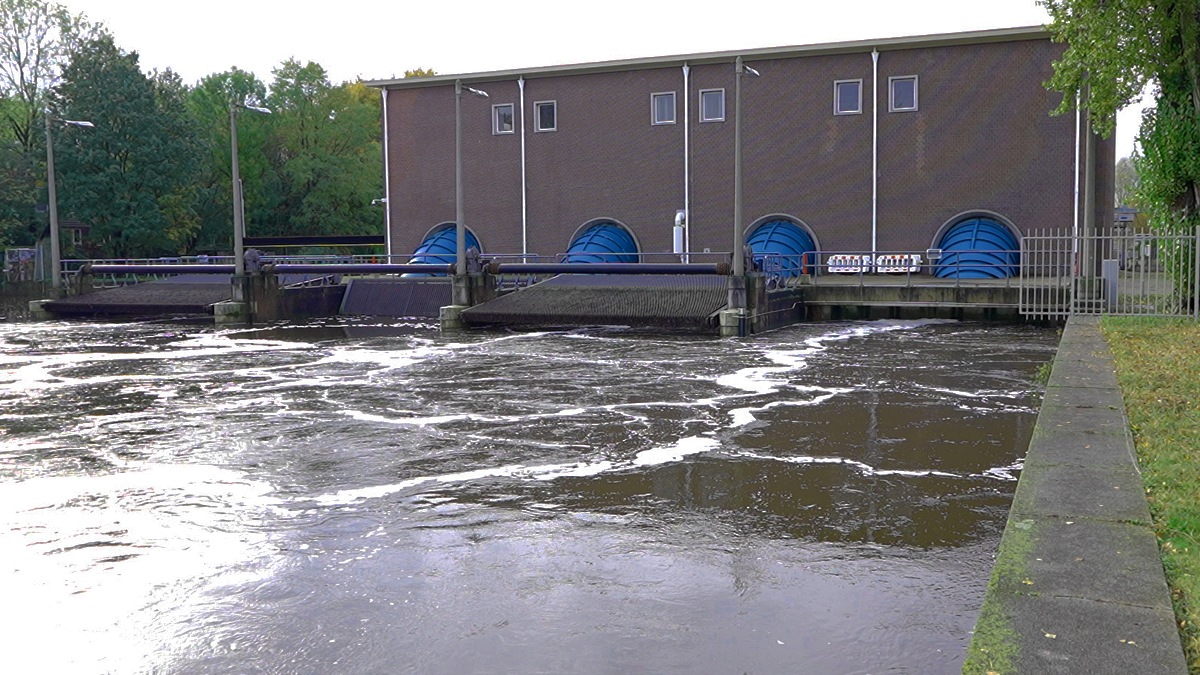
{"type": "Point", "coordinates": [1078, 585]}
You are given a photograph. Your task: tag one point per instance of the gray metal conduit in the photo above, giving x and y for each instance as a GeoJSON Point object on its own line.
{"type": "Point", "coordinates": [721, 268]}
{"type": "Point", "coordinates": [89, 268]}
{"type": "Point", "coordinates": [272, 268]}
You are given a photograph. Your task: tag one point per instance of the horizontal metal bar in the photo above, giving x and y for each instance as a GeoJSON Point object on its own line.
{"type": "Point", "coordinates": [358, 268]}
{"type": "Point", "coordinates": [609, 268]}
{"type": "Point", "coordinates": [155, 269]}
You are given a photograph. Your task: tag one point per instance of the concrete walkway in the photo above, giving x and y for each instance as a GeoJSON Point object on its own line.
{"type": "Point", "coordinates": [1078, 585]}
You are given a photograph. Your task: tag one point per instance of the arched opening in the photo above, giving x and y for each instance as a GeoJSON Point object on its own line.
{"type": "Point", "coordinates": [978, 247]}
{"type": "Point", "coordinates": [602, 241]}
{"type": "Point", "coordinates": [440, 247]}
{"type": "Point", "coordinates": [783, 242]}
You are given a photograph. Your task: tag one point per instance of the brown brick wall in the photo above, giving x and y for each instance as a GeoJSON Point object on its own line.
{"type": "Point", "coordinates": [982, 139]}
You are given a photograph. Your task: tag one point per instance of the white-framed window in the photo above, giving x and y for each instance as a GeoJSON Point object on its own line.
{"type": "Point", "coordinates": [545, 116]}
{"type": "Point", "coordinates": [902, 93]}
{"type": "Point", "coordinates": [712, 105]}
{"type": "Point", "coordinates": [847, 97]}
{"type": "Point", "coordinates": [662, 107]}
{"type": "Point", "coordinates": [502, 119]}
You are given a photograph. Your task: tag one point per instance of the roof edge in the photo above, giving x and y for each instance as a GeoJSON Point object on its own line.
{"type": "Point", "coordinates": [763, 53]}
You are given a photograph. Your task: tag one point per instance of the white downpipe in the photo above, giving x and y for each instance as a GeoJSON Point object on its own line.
{"type": "Point", "coordinates": [387, 183]}
{"type": "Point", "coordinates": [524, 203]}
{"type": "Point", "coordinates": [874, 151]}
{"type": "Point", "coordinates": [687, 176]}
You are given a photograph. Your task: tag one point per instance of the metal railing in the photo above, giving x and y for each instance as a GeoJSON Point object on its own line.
{"type": "Point", "coordinates": [1114, 272]}
{"type": "Point", "coordinates": [887, 268]}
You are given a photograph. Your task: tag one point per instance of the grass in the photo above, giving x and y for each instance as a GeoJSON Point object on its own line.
{"type": "Point", "coordinates": [1158, 366]}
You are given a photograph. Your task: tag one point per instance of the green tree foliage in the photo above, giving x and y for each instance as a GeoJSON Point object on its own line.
{"type": "Point", "coordinates": [420, 72]}
{"type": "Point", "coordinates": [36, 41]}
{"type": "Point", "coordinates": [1115, 49]}
{"type": "Point", "coordinates": [326, 154]}
{"type": "Point", "coordinates": [131, 176]}
{"type": "Point", "coordinates": [208, 104]}
{"type": "Point", "coordinates": [17, 195]}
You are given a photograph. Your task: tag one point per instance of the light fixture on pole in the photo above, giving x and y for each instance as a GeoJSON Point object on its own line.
{"type": "Point", "coordinates": [462, 292]}
{"type": "Point", "coordinates": [239, 215]}
{"type": "Point", "coordinates": [737, 288]}
{"type": "Point", "coordinates": [52, 198]}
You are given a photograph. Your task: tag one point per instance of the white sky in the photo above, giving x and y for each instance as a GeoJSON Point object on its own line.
{"type": "Point", "coordinates": [380, 39]}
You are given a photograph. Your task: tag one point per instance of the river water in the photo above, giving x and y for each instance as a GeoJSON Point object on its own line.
{"type": "Point", "coordinates": [358, 498]}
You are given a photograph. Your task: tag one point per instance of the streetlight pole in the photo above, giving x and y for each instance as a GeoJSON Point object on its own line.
{"type": "Point", "coordinates": [462, 289]}
{"type": "Point", "coordinates": [52, 197]}
{"type": "Point", "coordinates": [737, 283]}
{"type": "Point", "coordinates": [239, 211]}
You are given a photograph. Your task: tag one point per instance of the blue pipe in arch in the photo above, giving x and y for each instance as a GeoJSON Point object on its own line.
{"type": "Point", "coordinates": [440, 248]}
{"type": "Point", "coordinates": [785, 238]}
{"type": "Point", "coordinates": [978, 248]}
{"type": "Point", "coordinates": [604, 242]}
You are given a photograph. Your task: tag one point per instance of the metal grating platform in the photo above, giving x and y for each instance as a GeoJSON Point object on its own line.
{"type": "Point", "coordinates": [420, 297]}
{"type": "Point", "coordinates": [185, 294]}
{"type": "Point", "coordinates": [598, 299]}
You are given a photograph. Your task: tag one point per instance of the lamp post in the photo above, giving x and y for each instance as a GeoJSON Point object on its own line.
{"type": "Point", "coordinates": [52, 197]}
{"type": "Point", "coordinates": [462, 291]}
{"type": "Point", "coordinates": [737, 283]}
{"type": "Point", "coordinates": [239, 215]}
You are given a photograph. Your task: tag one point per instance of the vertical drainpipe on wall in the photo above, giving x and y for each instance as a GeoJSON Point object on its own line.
{"type": "Point", "coordinates": [874, 150]}
{"type": "Point", "coordinates": [687, 176]}
{"type": "Point", "coordinates": [387, 185]}
{"type": "Point", "coordinates": [524, 208]}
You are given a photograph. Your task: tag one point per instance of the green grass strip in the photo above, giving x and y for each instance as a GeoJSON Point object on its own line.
{"type": "Point", "coordinates": [1158, 366]}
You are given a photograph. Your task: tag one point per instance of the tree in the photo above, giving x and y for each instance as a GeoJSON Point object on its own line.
{"type": "Point", "coordinates": [208, 105]}
{"type": "Point", "coordinates": [128, 177]}
{"type": "Point", "coordinates": [1115, 49]}
{"type": "Point", "coordinates": [1125, 183]}
{"type": "Point", "coordinates": [327, 152]}
{"type": "Point", "coordinates": [36, 42]}
{"type": "Point", "coordinates": [420, 72]}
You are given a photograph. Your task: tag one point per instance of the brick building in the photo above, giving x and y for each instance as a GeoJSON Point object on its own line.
{"type": "Point", "coordinates": [876, 145]}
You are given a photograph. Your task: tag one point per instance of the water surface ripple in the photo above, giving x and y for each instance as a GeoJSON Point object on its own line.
{"type": "Point", "coordinates": [352, 498]}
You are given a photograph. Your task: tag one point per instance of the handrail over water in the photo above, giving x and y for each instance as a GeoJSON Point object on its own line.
{"type": "Point", "coordinates": [721, 268]}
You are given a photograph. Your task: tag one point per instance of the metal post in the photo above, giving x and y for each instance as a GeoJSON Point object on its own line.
{"type": "Point", "coordinates": [239, 263]}
{"type": "Point", "coordinates": [739, 243]}
{"type": "Point", "coordinates": [52, 196]}
{"type": "Point", "coordinates": [461, 290]}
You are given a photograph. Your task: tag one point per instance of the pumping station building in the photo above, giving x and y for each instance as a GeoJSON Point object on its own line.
{"type": "Point", "coordinates": [888, 146]}
{"type": "Point", "coordinates": [897, 177]}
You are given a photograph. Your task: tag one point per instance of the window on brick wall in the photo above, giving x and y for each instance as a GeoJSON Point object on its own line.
{"type": "Point", "coordinates": [712, 105]}
{"type": "Point", "coordinates": [502, 119]}
{"type": "Point", "coordinates": [902, 95]}
{"type": "Point", "coordinates": [847, 97]}
{"type": "Point", "coordinates": [662, 108]}
{"type": "Point", "coordinates": [545, 116]}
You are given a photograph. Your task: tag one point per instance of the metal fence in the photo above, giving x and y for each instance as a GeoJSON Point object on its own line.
{"type": "Point", "coordinates": [1112, 272]}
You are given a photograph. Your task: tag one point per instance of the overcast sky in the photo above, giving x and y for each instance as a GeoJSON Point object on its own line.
{"type": "Point", "coordinates": [381, 39]}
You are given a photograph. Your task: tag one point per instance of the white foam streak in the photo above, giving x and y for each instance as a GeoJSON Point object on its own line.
{"type": "Point", "coordinates": [676, 452]}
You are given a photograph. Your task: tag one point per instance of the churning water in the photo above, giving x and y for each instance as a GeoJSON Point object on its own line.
{"type": "Point", "coordinates": [359, 499]}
